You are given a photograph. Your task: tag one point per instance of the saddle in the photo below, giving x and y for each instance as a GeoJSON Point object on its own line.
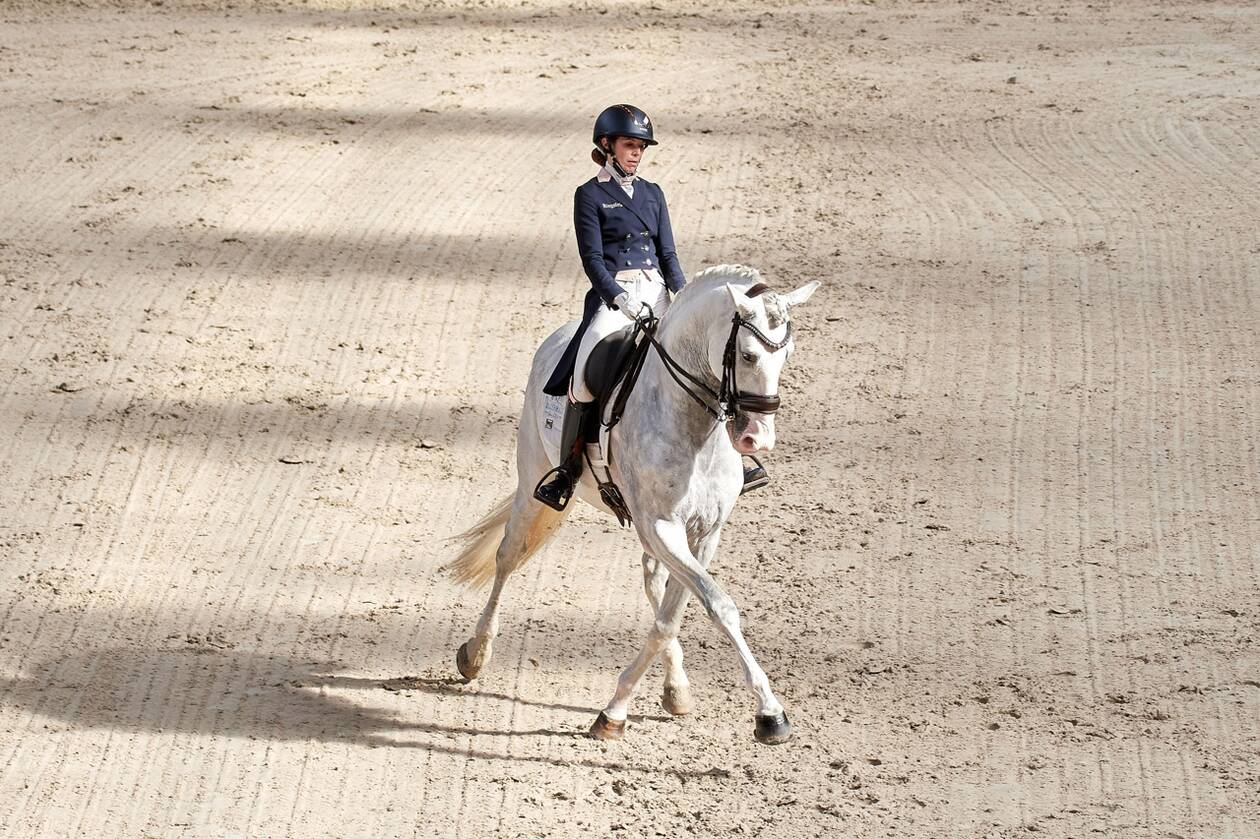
{"type": "Point", "coordinates": [607, 362]}
{"type": "Point", "coordinates": [611, 371]}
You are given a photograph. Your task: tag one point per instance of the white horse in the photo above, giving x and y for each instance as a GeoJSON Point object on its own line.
{"type": "Point", "coordinates": [676, 458]}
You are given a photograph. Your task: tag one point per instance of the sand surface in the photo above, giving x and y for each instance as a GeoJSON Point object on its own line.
{"type": "Point", "coordinates": [270, 281]}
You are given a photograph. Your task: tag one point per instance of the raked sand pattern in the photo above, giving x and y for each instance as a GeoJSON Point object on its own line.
{"type": "Point", "coordinates": [270, 280]}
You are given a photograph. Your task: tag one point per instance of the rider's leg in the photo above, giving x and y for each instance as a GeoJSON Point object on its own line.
{"type": "Point", "coordinates": [649, 287]}
{"type": "Point", "coordinates": [557, 492]}
{"type": "Point", "coordinates": [605, 322]}
{"type": "Point", "coordinates": [556, 488]}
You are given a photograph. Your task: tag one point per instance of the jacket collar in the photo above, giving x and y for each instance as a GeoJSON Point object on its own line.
{"type": "Point", "coordinates": [606, 173]}
{"type": "Point", "coordinates": [636, 205]}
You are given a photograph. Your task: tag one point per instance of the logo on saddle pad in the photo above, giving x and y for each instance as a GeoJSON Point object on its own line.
{"type": "Point", "coordinates": [614, 205]}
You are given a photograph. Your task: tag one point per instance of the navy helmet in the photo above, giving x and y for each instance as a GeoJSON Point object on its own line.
{"type": "Point", "coordinates": [623, 121]}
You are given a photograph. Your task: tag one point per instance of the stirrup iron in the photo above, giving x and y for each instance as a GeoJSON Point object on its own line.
{"type": "Point", "coordinates": [564, 494]}
{"type": "Point", "coordinates": [755, 476]}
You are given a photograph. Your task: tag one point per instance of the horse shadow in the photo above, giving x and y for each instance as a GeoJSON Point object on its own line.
{"type": "Point", "coordinates": [225, 693]}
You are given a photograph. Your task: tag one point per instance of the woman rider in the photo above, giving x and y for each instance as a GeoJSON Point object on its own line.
{"type": "Point", "coordinates": [624, 239]}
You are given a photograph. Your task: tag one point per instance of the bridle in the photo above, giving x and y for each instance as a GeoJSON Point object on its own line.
{"type": "Point", "coordinates": [730, 400]}
{"type": "Point", "coordinates": [730, 396]}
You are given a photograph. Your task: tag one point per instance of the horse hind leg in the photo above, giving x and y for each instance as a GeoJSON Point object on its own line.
{"type": "Point", "coordinates": [676, 696]}
{"type": "Point", "coordinates": [525, 527]}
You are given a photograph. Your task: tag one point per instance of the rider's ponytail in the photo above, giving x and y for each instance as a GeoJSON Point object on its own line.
{"type": "Point", "coordinates": [599, 157]}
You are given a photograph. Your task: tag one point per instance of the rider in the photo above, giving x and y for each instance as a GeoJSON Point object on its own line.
{"type": "Point", "coordinates": [624, 239]}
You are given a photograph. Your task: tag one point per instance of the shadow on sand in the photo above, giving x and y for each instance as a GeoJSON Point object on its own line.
{"type": "Point", "coordinates": [225, 693]}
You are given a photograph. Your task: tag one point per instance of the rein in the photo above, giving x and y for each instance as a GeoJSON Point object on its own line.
{"type": "Point", "coordinates": [729, 398]}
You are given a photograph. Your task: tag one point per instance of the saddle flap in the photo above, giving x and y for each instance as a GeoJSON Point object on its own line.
{"type": "Point", "coordinates": [607, 361]}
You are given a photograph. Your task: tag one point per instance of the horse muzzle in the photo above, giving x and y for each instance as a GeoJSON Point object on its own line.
{"type": "Point", "coordinates": [751, 432]}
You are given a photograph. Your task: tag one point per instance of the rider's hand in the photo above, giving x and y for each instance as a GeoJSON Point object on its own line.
{"type": "Point", "coordinates": [629, 305]}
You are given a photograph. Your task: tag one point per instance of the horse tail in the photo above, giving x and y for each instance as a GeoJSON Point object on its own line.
{"type": "Point", "coordinates": [476, 564]}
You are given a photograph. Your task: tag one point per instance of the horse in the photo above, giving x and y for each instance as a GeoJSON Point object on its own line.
{"type": "Point", "coordinates": [706, 392]}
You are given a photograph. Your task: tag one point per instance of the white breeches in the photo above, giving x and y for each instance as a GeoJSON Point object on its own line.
{"type": "Point", "coordinates": [649, 286]}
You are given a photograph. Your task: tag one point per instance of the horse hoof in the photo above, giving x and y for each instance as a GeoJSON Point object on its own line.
{"type": "Point", "coordinates": [773, 729]}
{"type": "Point", "coordinates": [466, 668]}
{"type": "Point", "coordinates": [677, 700]}
{"type": "Point", "coordinates": [606, 729]}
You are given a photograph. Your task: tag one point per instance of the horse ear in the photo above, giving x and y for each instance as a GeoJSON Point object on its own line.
{"type": "Point", "coordinates": [796, 298]}
{"type": "Point", "coordinates": [743, 304]}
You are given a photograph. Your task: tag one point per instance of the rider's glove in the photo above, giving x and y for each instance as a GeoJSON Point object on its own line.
{"type": "Point", "coordinates": [629, 305]}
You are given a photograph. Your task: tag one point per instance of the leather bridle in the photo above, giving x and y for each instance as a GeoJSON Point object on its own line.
{"type": "Point", "coordinates": [731, 397]}
{"type": "Point", "coordinates": [730, 400]}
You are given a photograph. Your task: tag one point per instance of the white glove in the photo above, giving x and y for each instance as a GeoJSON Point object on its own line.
{"type": "Point", "coordinates": [629, 305]}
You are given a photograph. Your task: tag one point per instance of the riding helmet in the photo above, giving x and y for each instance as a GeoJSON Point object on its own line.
{"type": "Point", "coordinates": [623, 121]}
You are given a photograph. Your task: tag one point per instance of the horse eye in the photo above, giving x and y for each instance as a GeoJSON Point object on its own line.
{"type": "Point", "coordinates": [749, 357]}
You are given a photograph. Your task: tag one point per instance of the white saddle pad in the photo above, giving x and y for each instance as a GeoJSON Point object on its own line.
{"type": "Point", "coordinates": [551, 423]}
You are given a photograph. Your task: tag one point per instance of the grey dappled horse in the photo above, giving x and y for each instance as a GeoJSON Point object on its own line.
{"type": "Point", "coordinates": [677, 461]}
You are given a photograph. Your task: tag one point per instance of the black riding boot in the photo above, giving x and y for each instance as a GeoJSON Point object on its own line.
{"type": "Point", "coordinates": [754, 476]}
{"type": "Point", "coordinates": [557, 492]}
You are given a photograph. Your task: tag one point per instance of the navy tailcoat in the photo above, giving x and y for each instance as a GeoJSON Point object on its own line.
{"type": "Point", "coordinates": [616, 233]}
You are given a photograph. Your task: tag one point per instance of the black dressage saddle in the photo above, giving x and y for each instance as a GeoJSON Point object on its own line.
{"type": "Point", "coordinates": [615, 360]}
{"type": "Point", "coordinates": [608, 361]}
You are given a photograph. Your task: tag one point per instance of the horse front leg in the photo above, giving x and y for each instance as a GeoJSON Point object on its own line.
{"type": "Point", "coordinates": [611, 722]}
{"type": "Point", "coordinates": [676, 696]}
{"type": "Point", "coordinates": [667, 541]}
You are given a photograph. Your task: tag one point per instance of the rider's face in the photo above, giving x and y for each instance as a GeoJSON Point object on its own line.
{"type": "Point", "coordinates": [628, 151]}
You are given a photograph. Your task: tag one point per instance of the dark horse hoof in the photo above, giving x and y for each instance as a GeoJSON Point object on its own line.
{"type": "Point", "coordinates": [773, 729]}
{"type": "Point", "coordinates": [465, 666]}
{"type": "Point", "coordinates": [606, 729]}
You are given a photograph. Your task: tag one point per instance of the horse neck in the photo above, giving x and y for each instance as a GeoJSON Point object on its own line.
{"type": "Point", "coordinates": [685, 337]}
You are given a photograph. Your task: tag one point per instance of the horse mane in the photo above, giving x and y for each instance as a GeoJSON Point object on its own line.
{"type": "Point", "coordinates": [743, 277]}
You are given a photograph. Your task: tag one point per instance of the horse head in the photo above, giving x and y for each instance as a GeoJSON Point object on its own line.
{"type": "Point", "coordinates": [747, 352]}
